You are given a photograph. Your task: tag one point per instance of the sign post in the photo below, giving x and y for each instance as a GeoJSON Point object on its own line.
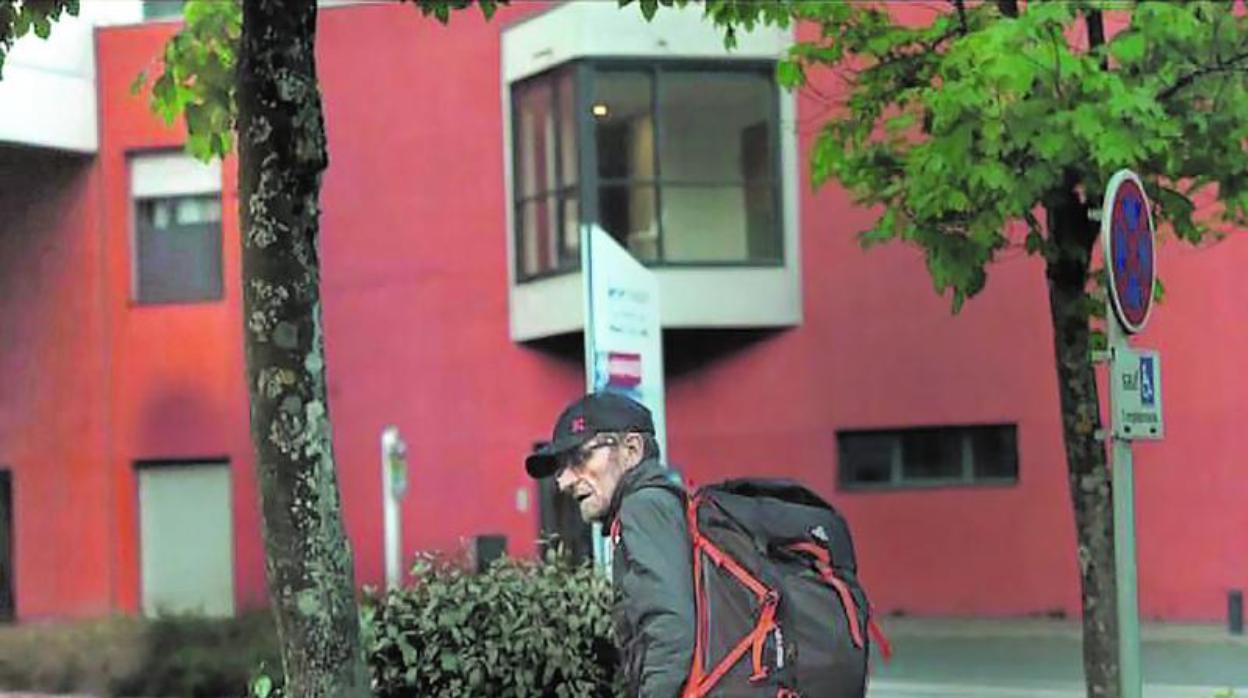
{"type": "Point", "coordinates": [623, 334]}
{"type": "Point", "coordinates": [1127, 236]}
{"type": "Point", "coordinates": [393, 487]}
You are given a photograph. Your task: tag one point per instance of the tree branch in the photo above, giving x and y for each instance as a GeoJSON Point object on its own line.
{"type": "Point", "coordinates": [1096, 34]}
{"type": "Point", "coordinates": [960, 5]}
{"type": "Point", "coordinates": [1231, 65]}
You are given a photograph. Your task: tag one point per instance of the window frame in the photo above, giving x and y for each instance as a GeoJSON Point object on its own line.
{"type": "Point", "coordinates": [588, 183]}
{"type": "Point", "coordinates": [177, 12]}
{"type": "Point", "coordinates": [518, 199]}
{"type": "Point", "coordinates": [171, 174]}
{"type": "Point", "coordinates": [898, 481]}
{"type": "Point", "coordinates": [138, 229]}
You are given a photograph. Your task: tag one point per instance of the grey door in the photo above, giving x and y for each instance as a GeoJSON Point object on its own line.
{"type": "Point", "coordinates": [187, 539]}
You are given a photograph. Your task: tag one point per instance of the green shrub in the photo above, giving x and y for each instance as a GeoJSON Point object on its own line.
{"type": "Point", "coordinates": [63, 657]}
{"type": "Point", "coordinates": [129, 656]}
{"type": "Point", "coordinates": [201, 657]}
{"type": "Point", "coordinates": [519, 629]}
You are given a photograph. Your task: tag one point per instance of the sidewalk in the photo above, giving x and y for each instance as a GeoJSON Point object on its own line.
{"type": "Point", "coordinates": [1037, 658]}
{"type": "Point", "coordinates": [1040, 658]}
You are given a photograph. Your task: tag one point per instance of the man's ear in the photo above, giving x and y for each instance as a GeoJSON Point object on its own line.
{"type": "Point", "coordinates": [635, 447]}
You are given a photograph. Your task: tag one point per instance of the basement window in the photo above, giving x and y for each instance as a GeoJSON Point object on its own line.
{"type": "Point", "coordinates": [928, 456]}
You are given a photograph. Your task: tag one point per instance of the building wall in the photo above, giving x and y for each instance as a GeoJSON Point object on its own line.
{"type": "Point", "coordinates": [54, 435]}
{"type": "Point", "coordinates": [416, 318]}
{"type": "Point", "coordinates": [415, 283]}
{"type": "Point", "coordinates": [177, 384]}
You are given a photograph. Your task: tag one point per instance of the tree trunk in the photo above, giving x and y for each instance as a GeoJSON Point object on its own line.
{"type": "Point", "coordinates": [281, 157]}
{"type": "Point", "coordinates": [1072, 236]}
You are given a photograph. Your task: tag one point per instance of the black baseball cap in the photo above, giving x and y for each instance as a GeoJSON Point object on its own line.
{"type": "Point", "coordinates": [582, 420]}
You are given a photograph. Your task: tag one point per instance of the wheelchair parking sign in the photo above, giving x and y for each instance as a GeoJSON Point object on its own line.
{"type": "Point", "coordinates": [1136, 394]}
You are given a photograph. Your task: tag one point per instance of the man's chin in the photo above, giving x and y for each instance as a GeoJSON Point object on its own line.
{"type": "Point", "coordinates": [591, 514]}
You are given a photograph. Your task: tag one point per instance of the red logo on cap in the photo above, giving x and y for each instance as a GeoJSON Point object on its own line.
{"type": "Point", "coordinates": [578, 425]}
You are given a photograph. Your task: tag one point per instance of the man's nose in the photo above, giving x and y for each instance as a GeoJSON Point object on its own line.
{"type": "Point", "coordinates": [563, 480]}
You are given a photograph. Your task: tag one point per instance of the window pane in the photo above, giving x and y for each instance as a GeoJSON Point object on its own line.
{"type": "Point", "coordinates": [928, 454]}
{"type": "Point", "coordinates": [571, 230]}
{"type": "Point", "coordinates": [567, 128]}
{"type": "Point", "coordinates": [157, 213]}
{"type": "Point", "coordinates": [624, 125]}
{"type": "Point", "coordinates": [538, 236]}
{"type": "Point", "coordinates": [178, 256]}
{"type": "Point", "coordinates": [994, 452]}
{"type": "Point", "coordinates": [159, 9]}
{"type": "Point", "coordinates": [535, 138]}
{"type": "Point", "coordinates": [199, 209]}
{"type": "Point", "coordinates": [627, 213]}
{"type": "Point", "coordinates": [728, 223]}
{"type": "Point", "coordinates": [866, 458]}
{"type": "Point", "coordinates": [715, 127]}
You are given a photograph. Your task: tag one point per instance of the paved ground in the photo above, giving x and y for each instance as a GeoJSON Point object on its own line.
{"type": "Point", "coordinates": [1038, 659]}
{"type": "Point", "coordinates": [1042, 659]}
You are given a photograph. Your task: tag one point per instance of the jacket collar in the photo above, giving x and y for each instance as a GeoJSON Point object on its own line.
{"type": "Point", "coordinates": [649, 472]}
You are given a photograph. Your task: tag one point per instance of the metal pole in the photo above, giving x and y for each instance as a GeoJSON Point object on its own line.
{"type": "Point", "coordinates": [601, 550]}
{"type": "Point", "coordinates": [1124, 561]}
{"type": "Point", "coordinates": [1124, 539]}
{"type": "Point", "coordinates": [390, 508]}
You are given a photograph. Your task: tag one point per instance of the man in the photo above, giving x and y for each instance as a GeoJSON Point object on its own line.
{"type": "Point", "coordinates": [604, 455]}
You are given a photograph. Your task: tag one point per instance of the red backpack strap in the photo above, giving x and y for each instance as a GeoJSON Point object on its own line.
{"type": "Point", "coordinates": [877, 635]}
{"type": "Point", "coordinates": [823, 564]}
{"type": "Point", "coordinates": [697, 670]}
{"type": "Point", "coordinates": [700, 681]}
{"type": "Point", "coordinates": [614, 531]}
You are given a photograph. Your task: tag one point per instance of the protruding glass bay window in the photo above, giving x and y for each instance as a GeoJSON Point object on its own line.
{"type": "Point", "coordinates": [682, 169]}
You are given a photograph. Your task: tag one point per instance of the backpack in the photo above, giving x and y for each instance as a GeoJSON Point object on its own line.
{"type": "Point", "coordinates": [780, 611]}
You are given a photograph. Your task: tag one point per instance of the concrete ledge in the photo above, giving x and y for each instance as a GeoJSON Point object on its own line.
{"type": "Point", "coordinates": [1046, 627]}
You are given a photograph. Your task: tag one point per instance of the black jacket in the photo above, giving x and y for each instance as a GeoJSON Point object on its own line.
{"type": "Point", "coordinates": [652, 570]}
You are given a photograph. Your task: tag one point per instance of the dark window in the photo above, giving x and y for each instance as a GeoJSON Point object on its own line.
{"type": "Point", "coordinates": [928, 456]}
{"type": "Point", "coordinates": [178, 242]}
{"type": "Point", "coordinates": [682, 166]}
{"type": "Point", "coordinates": [7, 572]}
{"type": "Point", "coordinates": [547, 212]}
{"type": "Point", "coordinates": [162, 9]}
{"type": "Point", "coordinates": [560, 521]}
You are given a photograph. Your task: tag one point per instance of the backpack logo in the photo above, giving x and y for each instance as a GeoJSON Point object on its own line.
{"type": "Point", "coordinates": [819, 534]}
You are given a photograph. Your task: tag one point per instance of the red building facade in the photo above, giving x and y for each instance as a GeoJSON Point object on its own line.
{"type": "Point", "coordinates": [423, 288]}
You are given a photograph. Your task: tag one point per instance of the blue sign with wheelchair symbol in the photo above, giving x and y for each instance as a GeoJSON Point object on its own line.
{"type": "Point", "coordinates": [1148, 393]}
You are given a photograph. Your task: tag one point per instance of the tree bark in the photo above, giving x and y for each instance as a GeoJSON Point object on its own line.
{"type": "Point", "coordinates": [1072, 236]}
{"type": "Point", "coordinates": [282, 154]}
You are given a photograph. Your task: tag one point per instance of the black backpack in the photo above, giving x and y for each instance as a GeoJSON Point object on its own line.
{"type": "Point", "coordinates": [780, 611]}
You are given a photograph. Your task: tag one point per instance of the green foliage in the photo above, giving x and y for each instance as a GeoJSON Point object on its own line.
{"type": "Point", "coordinates": [960, 123]}
{"type": "Point", "coordinates": [169, 656]}
{"type": "Point", "coordinates": [519, 629]}
{"type": "Point", "coordinates": [197, 76]}
{"type": "Point", "coordinates": [18, 18]}
{"type": "Point", "coordinates": [442, 9]}
{"type": "Point", "coordinates": [263, 685]}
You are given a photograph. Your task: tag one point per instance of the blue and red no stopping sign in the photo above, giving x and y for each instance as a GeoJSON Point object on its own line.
{"type": "Point", "coordinates": [1130, 257]}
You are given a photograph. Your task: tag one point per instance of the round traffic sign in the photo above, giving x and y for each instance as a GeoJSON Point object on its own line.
{"type": "Point", "coordinates": [1130, 257]}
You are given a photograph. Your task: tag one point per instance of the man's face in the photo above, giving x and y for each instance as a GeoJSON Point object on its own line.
{"type": "Point", "coordinates": [591, 473]}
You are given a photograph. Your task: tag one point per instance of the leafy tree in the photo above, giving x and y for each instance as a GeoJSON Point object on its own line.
{"type": "Point", "coordinates": [988, 117]}
{"type": "Point", "coordinates": [985, 117]}
{"type": "Point", "coordinates": [18, 17]}
{"type": "Point", "coordinates": [249, 69]}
